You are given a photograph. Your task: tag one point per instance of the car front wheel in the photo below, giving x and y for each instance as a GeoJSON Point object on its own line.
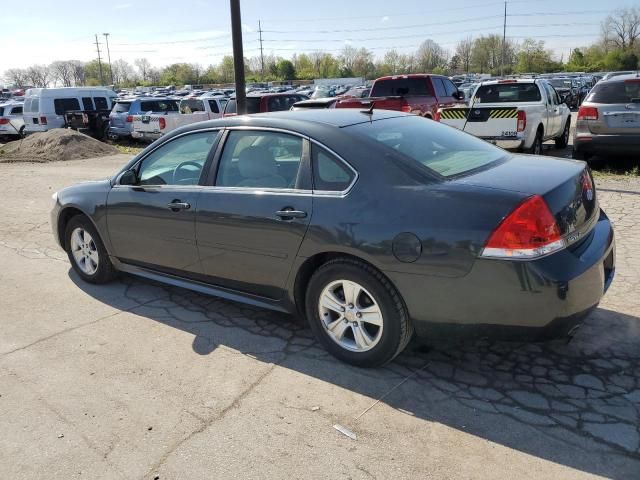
{"type": "Point", "coordinates": [86, 251]}
{"type": "Point", "coordinates": [356, 313]}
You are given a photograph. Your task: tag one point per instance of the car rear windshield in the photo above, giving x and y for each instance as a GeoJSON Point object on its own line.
{"type": "Point", "coordinates": [429, 145]}
{"type": "Point", "coordinates": [626, 91]}
{"type": "Point", "coordinates": [121, 107]}
{"type": "Point", "coordinates": [159, 106]}
{"type": "Point", "coordinates": [399, 87]}
{"type": "Point", "coordinates": [253, 105]}
{"type": "Point", "coordinates": [508, 93]}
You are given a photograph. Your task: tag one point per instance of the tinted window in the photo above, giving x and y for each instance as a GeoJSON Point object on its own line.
{"type": "Point", "coordinates": [62, 105]}
{"type": "Point", "coordinates": [87, 104]}
{"type": "Point", "coordinates": [615, 92]}
{"type": "Point", "coordinates": [400, 87]}
{"type": "Point", "coordinates": [159, 106]}
{"type": "Point", "coordinates": [213, 105]}
{"type": "Point", "coordinates": [191, 106]}
{"type": "Point", "coordinates": [1, 111]}
{"type": "Point", "coordinates": [508, 92]}
{"type": "Point", "coordinates": [101, 103]}
{"type": "Point", "coordinates": [429, 145]}
{"type": "Point", "coordinates": [121, 107]}
{"type": "Point", "coordinates": [439, 86]}
{"type": "Point", "coordinates": [16, 111]}
{"type": "Point", "coordinates": [253, 105]}
{"type": "Point", "coordinates": [256, 159]}
{"type": "Point", "coordinates": [329, 173]}
{"type": "Point", "coordinates": [178, 162]}
{"type": "Point", "coordinates": [449, 87]}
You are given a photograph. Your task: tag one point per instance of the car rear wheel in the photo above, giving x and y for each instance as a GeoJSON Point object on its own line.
{"type": "Point", "coordinates": [536, 148]}
{"type": "Point", "coordinates": [356, 313]}
{"type": "Point", "coordinates": [563, 140]}
{"type": "Point", "coordinates": [86, 251]}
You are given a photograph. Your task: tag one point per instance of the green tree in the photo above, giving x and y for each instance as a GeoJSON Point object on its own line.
{"type": "Point", "coordinates": [286, 70]}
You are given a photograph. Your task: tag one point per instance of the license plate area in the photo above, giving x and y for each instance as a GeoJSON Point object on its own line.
{"type": "Point", "coordinates": [146, 118]}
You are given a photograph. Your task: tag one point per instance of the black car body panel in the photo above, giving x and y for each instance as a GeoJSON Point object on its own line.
{"type": "Point", "coordinates": [423, 232]}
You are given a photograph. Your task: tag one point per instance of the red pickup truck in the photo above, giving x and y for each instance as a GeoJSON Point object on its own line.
{"type": "Point", "coordinates": [417, 93]}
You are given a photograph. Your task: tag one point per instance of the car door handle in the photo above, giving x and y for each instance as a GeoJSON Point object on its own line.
{"type": "Point", "coordinates": [288, 214]}
{"type": "Point", "coordinates": [178, 205]}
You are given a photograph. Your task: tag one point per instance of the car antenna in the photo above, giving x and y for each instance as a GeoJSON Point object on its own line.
{"type": "Point", "coordinates": [369, 111]}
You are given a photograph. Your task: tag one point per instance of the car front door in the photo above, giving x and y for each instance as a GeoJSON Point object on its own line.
{"type": "Point", "coordinates": [253, 217]}
{"type": "Point", "coordinates": [151, 222]}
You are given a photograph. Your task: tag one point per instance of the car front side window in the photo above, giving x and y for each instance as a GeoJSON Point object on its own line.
{"type": "Point", "coordinates": [260, 159]}
{"type": "Point", "coordinates": [178, 162]}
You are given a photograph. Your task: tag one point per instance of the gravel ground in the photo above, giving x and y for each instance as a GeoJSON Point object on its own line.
{"type": "Point", "coordinates": [139, 380]}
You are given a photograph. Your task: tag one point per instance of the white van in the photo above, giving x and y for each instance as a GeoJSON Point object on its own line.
{"type": "Point", "coordinates": [44, 108]}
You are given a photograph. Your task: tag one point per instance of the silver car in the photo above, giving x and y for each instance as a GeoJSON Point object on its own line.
{"type": "Point", "coordinates": [609, 119]}
{"type": "Point", "coordinates": [11, 121]}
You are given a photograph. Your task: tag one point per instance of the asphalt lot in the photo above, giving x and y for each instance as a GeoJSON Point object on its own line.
{"type": "Point", "coordinates": [137, 380]}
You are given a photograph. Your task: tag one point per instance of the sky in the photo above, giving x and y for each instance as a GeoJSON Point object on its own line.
{"type": "Point", "coordinates": [198, 31]}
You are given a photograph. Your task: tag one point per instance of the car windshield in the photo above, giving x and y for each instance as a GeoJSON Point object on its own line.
{"type": "Point", "coordinates": [159, 106]}
{"type": "Point", "coordinates": [626, 91]}
{"type": "Point", "coordinates": [560, 82]}
{"type": "Point", "coordinates": [508, 93]}
{"type": "Point", "coordinates": [440, 149]}
{"type": "Point", "coordinates": [121, 107]}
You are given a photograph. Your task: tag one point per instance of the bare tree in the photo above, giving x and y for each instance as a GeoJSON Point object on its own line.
{"type": "Point", "coordinates": [144, 66]}
{"type": "Point", "coordinates": [316, 59]}
{"type": "Point", "coordinates": [38, 75]}
{"type": "Point", "coordinates": [78, 72]}
{"type": "Point", "coordinates": [16, 77]}
{"type": "Point", "coordinates": [62, 70]}
{"type": "Point", "coordinates": [123, 72]}
{"type": "Point", "coordinates": [463, 51]}
{"type": "Point", "coordinates": [430, 55]}
{"type": "Point", "coordinates": [622, 28]}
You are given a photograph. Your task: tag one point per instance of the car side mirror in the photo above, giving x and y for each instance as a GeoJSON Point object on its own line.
{"type": "Point", "coordinates": [129, 178]}
{"type": "Point", "coordinates": [458, 95]}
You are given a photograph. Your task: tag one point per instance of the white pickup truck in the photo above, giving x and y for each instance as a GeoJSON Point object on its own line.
{"type": "Point", "coordinates": [191, 110]}
{"type": "Point", "coordinates": [514, 114]}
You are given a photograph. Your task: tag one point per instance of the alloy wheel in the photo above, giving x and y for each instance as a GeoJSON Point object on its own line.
{"type": "Point", "coordinates": [350, 315]}
{"type": "Point", "coordinates": [84, 251]}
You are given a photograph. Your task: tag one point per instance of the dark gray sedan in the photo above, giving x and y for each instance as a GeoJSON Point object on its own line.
{"type": "Point", "coordinates": [369, 224]}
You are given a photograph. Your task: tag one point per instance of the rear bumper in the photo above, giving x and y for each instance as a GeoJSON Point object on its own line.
{"type": "Point", "coordinates": [594, 144]}
{"type": "Point", "coordinates": [508, 143]}
{"type": "Point", "coordinates": [503, 298]}
{"type": "Point", "coordinates": [145, 135]}
{"type": "Point", "coordinates": [120, 131]}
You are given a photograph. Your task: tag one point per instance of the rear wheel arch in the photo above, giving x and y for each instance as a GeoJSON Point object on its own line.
{"type": "Point", "coordinates": [313, 263]}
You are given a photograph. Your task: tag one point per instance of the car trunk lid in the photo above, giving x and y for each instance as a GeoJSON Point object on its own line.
{"type": "Point", "coordinates": [565, 185]}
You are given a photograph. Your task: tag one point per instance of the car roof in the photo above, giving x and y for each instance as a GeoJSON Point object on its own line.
{"type": "Point", "coordinates": [622, 78]}
{"type": "Point", "coordinates": [271, 94]}
{"type": "Point", "coordinates": [410, 75]}
{"type": "Point", "coordinates": [512, 80]}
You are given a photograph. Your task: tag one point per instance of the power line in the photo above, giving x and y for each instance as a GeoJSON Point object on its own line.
{"type": "Point", "coordinates": [261, 53]}
{"type": "Point", "coordinates": [99, 60]}
{"type": "Point", "coordinates": [106, 36]}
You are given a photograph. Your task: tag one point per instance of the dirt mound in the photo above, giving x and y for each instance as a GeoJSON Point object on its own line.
{"type": "Point", "coordinates": [58, 144]}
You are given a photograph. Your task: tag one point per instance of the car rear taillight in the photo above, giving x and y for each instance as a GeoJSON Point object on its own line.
{"type": "Point", "coordinates": [437, 116]}
{"type": "Point", "coordinates": [129, 118]}
{"type": "Point", "coordinates": [4, 121]}
{"type": "Point", "coordinates": [588, 113]}
{"type": "Point", "coordinates": [529, 231]}
{"type": "Point", "coordinates": [162, 122]}
{"type": "Point", "coordinates": [522, 120]}
{"type": "Point", "coordinates": [43, 120]}
{"type": "Point", "coordinates": [405, 108]}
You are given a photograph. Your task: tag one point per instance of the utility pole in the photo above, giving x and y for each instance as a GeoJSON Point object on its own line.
{"type": "Point", "coordinates": [238, 57]}
{"type": "Point", "coordinates": [99, 61]}
{"type": "Point", "coordinates": [504, 39]}
{"type": "Point", "coordinates": [261, 53]}
{"type": "Point", "coordinates": [106, 36]}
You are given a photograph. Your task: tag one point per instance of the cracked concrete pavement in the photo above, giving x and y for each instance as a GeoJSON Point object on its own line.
{"type": "Point", "coordinates": [139, 380]}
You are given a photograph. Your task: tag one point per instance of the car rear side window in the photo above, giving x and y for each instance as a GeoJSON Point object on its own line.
{"type": "Point", "coordinates": [62, 105]}
{"type": "Point", "coordinates": [429, 145]}
{"type": "Point", "coordinates": [101, 103]}
{"type": "Point", "coordinates": [213, 105]}
{"type": "Point", "coordinates": [508, 93]}
{"type": "Point", "coordinates": [399, 87]}
{"type": "Point", "coordinates": [260, 159]}
{"type": "Point", "coordinates": [87, 104]}
{"type": "Point", "coordinates": [329, 172]}
{"type": "Point", "coordinates": [615, 92]}
{"type": "Point", "coordinates": [191, 106]}
{"type": "Point", "coordinates": [16, 111]}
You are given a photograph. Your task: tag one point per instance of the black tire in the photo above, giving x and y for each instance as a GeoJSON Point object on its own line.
{"type": "Point", "coordinates": [563, 140]}
{"type": "Point", "coordinates": [536, 147]}
{"type": "Point", "coordinates": [397, 328]}
{"type": "Point", "coordinates": [21, 132]}
{"type": "Point", "coordinates": [105, 271]}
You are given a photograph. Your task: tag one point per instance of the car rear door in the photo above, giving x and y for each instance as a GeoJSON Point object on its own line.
{"type": "Point", "coordinates": [252, 218]}
{"type": "Point", "coordinates": [554, 113]}
{"type": "Point", "coordinates": [152, 222]}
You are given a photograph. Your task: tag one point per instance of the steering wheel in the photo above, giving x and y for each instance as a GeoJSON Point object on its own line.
{"type": "Point", "coordinates": [176, 175]}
